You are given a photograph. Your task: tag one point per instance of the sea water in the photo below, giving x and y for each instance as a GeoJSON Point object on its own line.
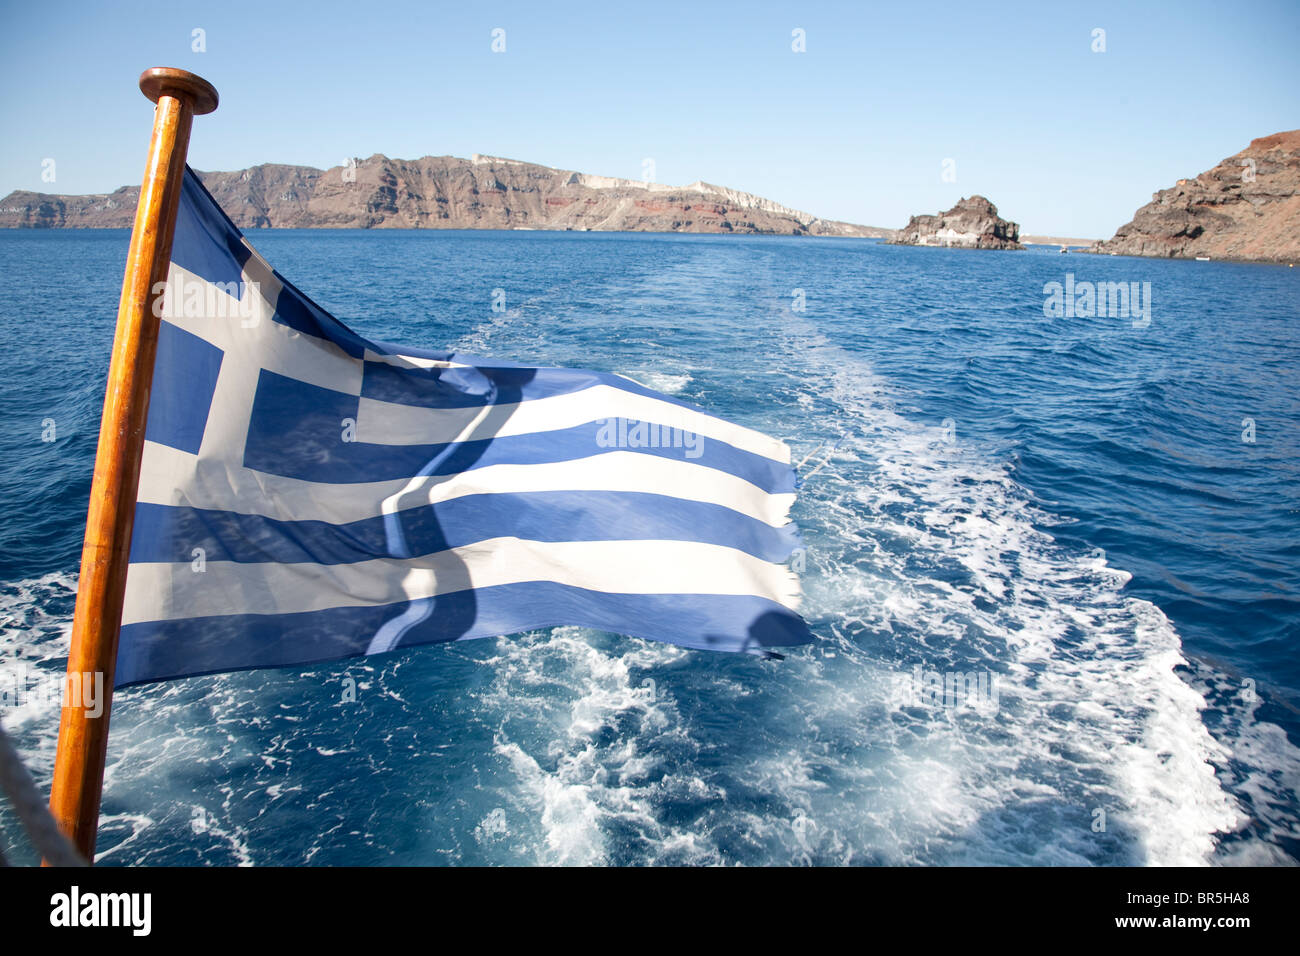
{"type": "Point", "coordinates": [1052, 561]}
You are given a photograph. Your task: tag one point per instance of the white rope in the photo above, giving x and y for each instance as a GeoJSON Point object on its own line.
{"type": "Point", "coordinates": [30, 806]}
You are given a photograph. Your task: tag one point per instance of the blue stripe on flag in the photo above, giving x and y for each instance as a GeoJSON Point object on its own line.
{"type": "Point", "coordinates": [298, 430]}
{"type": "Point", "coordinates": [158, 650]}
{"type": "Point", "coordinates": [169, 534]}
{"type": "Point", "coordinates": [485, 383]}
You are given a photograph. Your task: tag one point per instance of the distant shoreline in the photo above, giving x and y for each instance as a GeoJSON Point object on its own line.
{"type": "Point", "coordinates": [448, 192]}
{"type": "Point", "coordinates": [1027, 240]}
{"type": "Point", "coordinates": [1055, 241]}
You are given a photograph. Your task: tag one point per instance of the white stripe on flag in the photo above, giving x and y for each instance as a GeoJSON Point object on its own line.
{"type": "Point", "coordinates": [172, 477]}
{"type": "Point", "coordinates": [158, 591]}
{"type": "Point", "coordinates": [385, 423]}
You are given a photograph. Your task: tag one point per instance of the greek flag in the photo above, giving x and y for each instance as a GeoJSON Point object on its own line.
{"type": "Point", "coordinates": [306, 494]}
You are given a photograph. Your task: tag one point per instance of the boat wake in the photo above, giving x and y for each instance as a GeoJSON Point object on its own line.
{"type": "Point", "coordinates": [981, 694]}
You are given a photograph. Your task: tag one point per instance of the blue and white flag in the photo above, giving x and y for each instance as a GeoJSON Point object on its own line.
{"type": "Point", "coordinates": [306, 494]}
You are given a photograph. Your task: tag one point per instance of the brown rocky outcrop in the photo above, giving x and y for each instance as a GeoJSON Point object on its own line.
{"type": "Point", "coordinates": [1247, 207]}
{"type": "Point", "coordinates": [445, 192]}
{"type": "Point", "coordinates": [971, 224]}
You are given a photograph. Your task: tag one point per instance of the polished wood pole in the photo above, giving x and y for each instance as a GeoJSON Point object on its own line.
{"type": "Point", "coordinates": [83, 738]}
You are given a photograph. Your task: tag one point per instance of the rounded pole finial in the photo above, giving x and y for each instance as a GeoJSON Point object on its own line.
{"type": "Point", "coordinates": [158, 80]}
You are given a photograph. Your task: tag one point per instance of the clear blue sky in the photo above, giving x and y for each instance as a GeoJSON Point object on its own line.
{"type": "Point", "coordinates": [1064, 140]}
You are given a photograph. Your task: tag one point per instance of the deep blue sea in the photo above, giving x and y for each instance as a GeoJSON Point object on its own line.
{"type": "Point", "coordinates": [1097, 516]}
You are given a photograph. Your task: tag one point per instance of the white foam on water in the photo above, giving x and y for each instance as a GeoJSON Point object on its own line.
{"type": "Point", "coordinates": [922, 551]}
{"type": "Point", "coordinates": [34, 639]}
{"type": "Point", "coordinates": [581, 744]}
{"type": "Point", "coordinates": [34, 633]}
{"type": "Point", "coordinates": [134, 825]}
{"type": "Point", "coordinates": [666, 382]}
{"type": "Point", "coordinates": [1261, 768]}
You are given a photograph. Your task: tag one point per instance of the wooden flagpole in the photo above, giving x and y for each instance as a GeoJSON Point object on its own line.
{"type": "Point", "coordinates": [83, 739]}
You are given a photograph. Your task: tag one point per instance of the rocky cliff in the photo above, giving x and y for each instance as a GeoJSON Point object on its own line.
{"type": "Point", "coordinates": [971, 224]}
{"type": "Point", "coordinates": [444, 192]}
{"type": "Point", "coordinates": [1247, 207]}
